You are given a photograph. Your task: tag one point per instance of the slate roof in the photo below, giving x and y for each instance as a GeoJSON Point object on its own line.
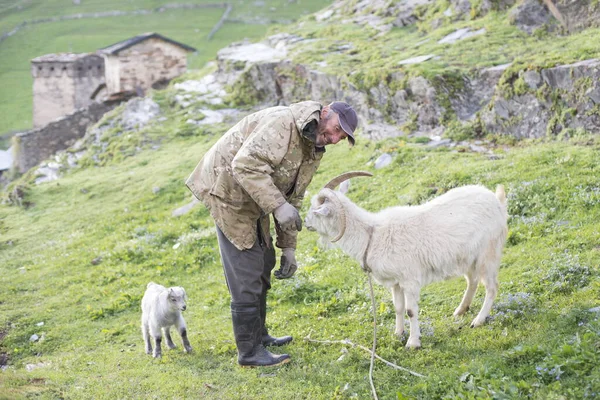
{"type": "Point", "coordinates": [62, 57]}
{"type": "Point", "coordinates": [118, 47]}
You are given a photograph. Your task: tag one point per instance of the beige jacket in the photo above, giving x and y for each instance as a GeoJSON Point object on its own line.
{"type": "Point", "coordinates": [263, 161]}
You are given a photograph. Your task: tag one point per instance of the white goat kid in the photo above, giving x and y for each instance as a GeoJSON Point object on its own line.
{"type": "Point", "coordinates": [461, 232]}
{"type": "Point", "coordinates": [161, 309]}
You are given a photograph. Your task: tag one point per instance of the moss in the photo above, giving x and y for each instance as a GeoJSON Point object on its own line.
{"type": "Point", "coordinates": [459, 131]}
{"type": "Point", "coordinates": [411, 124]}
{"type": "Point", "coordinates": [243, 92]}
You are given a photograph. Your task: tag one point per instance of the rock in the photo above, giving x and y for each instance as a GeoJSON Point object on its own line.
{"type": "Point", "coordinates": [185, 209]}
{"type": "Point", "coordinates": [324, 16]}
{"type": "Point", "coordinates": [594, 95]}
{"type": "Point", "coordinates": [6, 159]}
{"type": "Point", "coordinates": [416, 60]}
{"type": "Point", "coordinates": [96, 260]}
{"type": "Point", "coordinates": [529, 15]}
{"type": "Point", "coordinates": [439, 143]}
{"type": "Point", "coordinates": [138, 112]}
{"type": "Point", "coordinates": [533, 79]}
{"type": "Point", "coordinates": [31, 367]}
{"type": "Point", "coordinates": [155, 190]}
{"type": "Point", "coordinates": [34, 338]}
{"type": "Point", "coordinates": [461, 34]}
{"type": "Point", "coordinates": [383, 161]}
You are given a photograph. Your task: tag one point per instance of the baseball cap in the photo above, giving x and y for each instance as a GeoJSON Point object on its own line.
{"type": "Point", "coordinates": [348, 118]}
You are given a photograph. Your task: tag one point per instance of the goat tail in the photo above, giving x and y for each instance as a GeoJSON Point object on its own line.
{"type": "Point", "coordinates": [501, 195]}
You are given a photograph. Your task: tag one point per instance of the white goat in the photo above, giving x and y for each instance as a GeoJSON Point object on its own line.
{"type": "Point", "coordinates": [161, 308]}
{"type": "Point", "coordinates": [461, 232]}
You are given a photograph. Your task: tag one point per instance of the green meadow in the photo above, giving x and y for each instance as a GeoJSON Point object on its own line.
{"type": "Point", "coordinates": [77, 253]}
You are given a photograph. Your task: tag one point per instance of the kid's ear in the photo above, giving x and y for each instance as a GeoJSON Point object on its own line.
{"type": "Point", "coordinates": [170, 291]}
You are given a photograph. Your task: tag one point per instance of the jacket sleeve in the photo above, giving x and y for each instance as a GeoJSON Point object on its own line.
{"type": "Point", "coordinates": [285, 239]}
{"type": "Point", "coordinates": [258, 157]}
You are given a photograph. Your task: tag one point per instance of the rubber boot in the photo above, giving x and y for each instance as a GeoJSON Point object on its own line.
{"type": "Point", "coordinates": [247, 330]}
{"type": "Point", "coordinates": [268, 340]}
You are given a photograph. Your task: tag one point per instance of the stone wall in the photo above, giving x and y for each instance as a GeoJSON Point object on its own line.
{"type": "Point", "coordinates": [142, 65]}
{"type": "Point", "coordinates": [32, 147]}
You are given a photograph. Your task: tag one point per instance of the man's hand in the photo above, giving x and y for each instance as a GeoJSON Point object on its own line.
{"type": "Point", "coordinates": [288, 217]}
{"type": "Point", "coordinates": [287, 265]}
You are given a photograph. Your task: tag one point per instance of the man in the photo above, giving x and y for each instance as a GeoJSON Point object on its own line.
{"type": "Point", "coordinates": [262, 166]}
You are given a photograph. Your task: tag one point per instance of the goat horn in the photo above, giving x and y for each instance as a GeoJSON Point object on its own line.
{"type": "Point", "coordinates": [332, 184]}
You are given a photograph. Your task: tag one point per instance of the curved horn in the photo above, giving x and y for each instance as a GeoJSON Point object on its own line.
{"type": "Point", "coordinates": [332, 184]}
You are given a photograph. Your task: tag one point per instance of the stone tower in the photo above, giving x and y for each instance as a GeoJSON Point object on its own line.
{"type": "Point", "coordinates": [63, 83]}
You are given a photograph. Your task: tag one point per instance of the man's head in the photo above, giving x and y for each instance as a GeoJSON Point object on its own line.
{"type": "Point", "coordinates": [338, 122]}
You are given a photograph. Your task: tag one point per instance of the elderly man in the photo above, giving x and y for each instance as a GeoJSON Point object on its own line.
{"type": "Point", "coordinates": [262, 166]}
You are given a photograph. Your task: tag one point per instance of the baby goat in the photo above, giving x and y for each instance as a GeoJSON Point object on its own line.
{"type": "Point", "coordinates": [161, 308]}
{"type": "Point", "coordinates": [461, 232]}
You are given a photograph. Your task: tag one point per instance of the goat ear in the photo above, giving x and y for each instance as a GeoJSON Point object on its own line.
{"type": "Point", "coordinates": [323, 209]}
{"type": "Point", "coordinates": [170, 291]}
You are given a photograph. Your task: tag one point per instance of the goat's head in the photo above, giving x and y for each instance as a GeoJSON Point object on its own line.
{"type": "Point", "coordinates": [326, 215]}
{"type": "Point", "coordinates": [177, 298]}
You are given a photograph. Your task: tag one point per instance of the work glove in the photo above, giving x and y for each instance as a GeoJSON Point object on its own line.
{"type": "Point", "coordinates": [288, 217]}
{"type": "Point", "coordinates": [287, 265]}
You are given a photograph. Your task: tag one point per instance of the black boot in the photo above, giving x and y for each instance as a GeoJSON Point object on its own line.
{"type": "Point", "coordinates": [268, 340]}
{"type": "Point", "coordinates": [247, 330]}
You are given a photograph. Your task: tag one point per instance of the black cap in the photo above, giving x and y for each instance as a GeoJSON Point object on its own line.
{"type": "Point", "coordinates": [348, 118]}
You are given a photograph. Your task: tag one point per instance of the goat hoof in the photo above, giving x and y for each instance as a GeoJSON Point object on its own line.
{"type": "Point", "coordinates": [413, 345]}
{"type": "Point", "coordinates": [157, 355]}
{"type": "Point", "coordinates": [188, 349]}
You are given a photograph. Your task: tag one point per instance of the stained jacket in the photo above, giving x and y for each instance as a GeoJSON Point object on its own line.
{"type": "Point", "coordinates": [266, 159]}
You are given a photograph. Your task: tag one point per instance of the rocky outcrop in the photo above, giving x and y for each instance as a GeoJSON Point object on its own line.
{"type": "Point", "coordinates": [556, 100]}
{"type": "Point", "coordinates": [561, 100]}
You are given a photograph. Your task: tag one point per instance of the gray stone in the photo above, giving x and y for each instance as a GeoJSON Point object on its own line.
{"type": "Point", "coordinates": [416, 60]}
{"type": "Point", "coordinates": [461, 34]}
{"type": "Point", "coordinates": [6, 159]}
{"type": "Point", "coordinates": [439, 143]}
{"type": "Point", "coordinates": [533, 79]}
{"type": "Point", "coordinates": [529, 15]}
{"type": "Point", "coordinates": [34, 338]}
{"type": "Point", "coordinates": [383, 161]}
{"type": "Point", "coordinates": [594, 95]}
{"type": "Point", "coordinates": [324, 16]}
{"type": "Point", "coordinates": [501, 108]}
{"type": "Point", "coordinates": [185, 209]}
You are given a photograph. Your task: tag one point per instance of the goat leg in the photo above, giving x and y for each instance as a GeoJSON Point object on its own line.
{"type": "Point", "coordinates": [157, 350]}
{"type": "Point", "coordinates": [186, 343]}
{"type": "Point", "coordinates": [168, 337]}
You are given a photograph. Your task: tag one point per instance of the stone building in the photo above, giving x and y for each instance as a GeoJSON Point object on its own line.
{"type": "Point", "coordinates": [63, 83]}
{"type": "Point", "coordinates": [66, 82]}
{"type": "Point", "coordinates": [142, 62]}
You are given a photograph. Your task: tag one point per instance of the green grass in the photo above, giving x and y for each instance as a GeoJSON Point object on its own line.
{"type": "Point", "coordinates": [541, 341]}
{"type": "Point", "coordinates": [87, 35]}
{"type": "Point", "coordinates": [78, 255]}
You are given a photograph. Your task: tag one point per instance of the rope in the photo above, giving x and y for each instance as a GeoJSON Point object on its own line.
{"type": "Point", "coordinates": [374, 339]}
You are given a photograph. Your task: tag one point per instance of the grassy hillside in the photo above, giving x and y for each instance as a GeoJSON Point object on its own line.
{"type": "Point", "coordinates": [76, 255]}
{"type": "Point", "coordinates": [89, 34]}
{"type": "Point", "coordinates": [79, 256]}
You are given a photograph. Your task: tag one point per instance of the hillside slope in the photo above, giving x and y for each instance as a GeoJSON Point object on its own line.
{"type": "Point", "coordinates": [76, 254]}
